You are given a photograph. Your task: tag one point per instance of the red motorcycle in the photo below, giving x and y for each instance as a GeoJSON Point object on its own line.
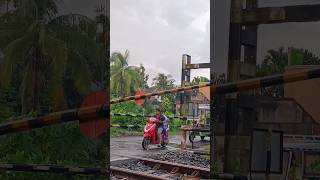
{"type": "Point", "coordinates": [150, 134]}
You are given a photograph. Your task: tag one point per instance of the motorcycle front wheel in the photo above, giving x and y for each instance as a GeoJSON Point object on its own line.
{"type": "Point", "coordinates": [145, 143]}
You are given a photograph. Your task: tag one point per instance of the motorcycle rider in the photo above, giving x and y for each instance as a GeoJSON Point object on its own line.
{"type": "Point", "coordinates": [161, 126]}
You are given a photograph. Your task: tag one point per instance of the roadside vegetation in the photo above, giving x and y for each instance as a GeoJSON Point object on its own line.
{"type": "Point", "coordinates": [48, 63]}
{"type": "Point", "coordinates": [125, 80]}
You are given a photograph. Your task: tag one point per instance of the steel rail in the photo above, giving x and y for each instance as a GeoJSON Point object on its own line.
{"type": "Point", "coordinates": [169, 166]}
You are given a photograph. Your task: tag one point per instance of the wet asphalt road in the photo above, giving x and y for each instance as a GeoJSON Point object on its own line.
{"type": "Point", "coordinates": [132, 146]}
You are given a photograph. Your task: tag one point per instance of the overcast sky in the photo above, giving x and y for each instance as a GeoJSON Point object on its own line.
{"type": "Point", "coordinates": [300, 35]}
{"type": "Point", "coordinates": [158, 32]}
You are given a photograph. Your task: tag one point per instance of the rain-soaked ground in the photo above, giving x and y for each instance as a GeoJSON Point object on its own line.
{"type": "Point", "coordinates": [131, 146]}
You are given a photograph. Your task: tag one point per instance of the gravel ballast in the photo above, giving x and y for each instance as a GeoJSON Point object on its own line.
{"type": "Point", "coordinates": [182, 157]}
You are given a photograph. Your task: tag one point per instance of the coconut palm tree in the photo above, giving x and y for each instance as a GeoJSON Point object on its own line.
{"type": "Point", "coordinates": [122, 76]}
{"type": "Point", "coordinates": [163, 82]}
{"type": "Point", "coordinates": [45, 47]}
{"type": "Point", "coordinates": [274, 62]}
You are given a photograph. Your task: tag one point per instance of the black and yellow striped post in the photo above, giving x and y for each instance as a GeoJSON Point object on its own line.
{"type": "Point", "coordinates": [58, 169]}
{"type": "Point", "coordinates": [82, 114]}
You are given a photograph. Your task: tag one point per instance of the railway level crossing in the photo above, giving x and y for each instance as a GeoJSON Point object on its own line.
{"type": "Point", "coordinates": [93, 112]}
{"type": "Point", "coordinates": [245, 18]}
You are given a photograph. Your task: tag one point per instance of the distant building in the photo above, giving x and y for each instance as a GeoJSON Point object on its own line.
{"type": "Point", "coordinates": [197, 106]}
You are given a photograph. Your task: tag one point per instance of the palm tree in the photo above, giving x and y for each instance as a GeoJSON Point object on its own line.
{"type": "Point", "coordinates": [122, 76]}
{"type": "Point", "coordinates": [274, 62]}
{"type": "Point", "coordinates": [163, 82]}
{"type": "Point", "coordinates": [44, 48]}
{"type": "Point", "coordinates": [309, 58]}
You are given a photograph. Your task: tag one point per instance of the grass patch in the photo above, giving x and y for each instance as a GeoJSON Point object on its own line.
{"type": "Point", "coordinates": [118, 132]}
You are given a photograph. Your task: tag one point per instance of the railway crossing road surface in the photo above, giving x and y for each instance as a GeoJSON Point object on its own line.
{"type": "Point", "coordinates": [132, 146]}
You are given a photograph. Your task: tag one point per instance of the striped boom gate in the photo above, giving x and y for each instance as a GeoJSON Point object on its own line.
{"type": "Point", "coordinates": [236, 86]}
{"type": "Point", "coordinates": [85, 114]}
{"type": "Point", "coordinates": [82, 114]}
{"type": "Point", "coordinates": [54, 169]}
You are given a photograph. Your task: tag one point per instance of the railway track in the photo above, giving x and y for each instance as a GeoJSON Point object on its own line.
{"type": "Point", "coordinates": [168, 170]}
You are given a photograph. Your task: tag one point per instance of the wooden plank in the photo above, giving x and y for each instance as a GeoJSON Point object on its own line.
{"type": "Point", "coordinates": [198, 129]}
{"type": "Point", "coordinates": [183, 137]}
{"type": "Point", "coordinates": [198, 66]}
{"type": "Point", "coordinates": [269, 15]}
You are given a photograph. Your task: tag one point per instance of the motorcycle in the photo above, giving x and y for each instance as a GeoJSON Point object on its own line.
{"type": "Point", "coordinates": [150, 134]}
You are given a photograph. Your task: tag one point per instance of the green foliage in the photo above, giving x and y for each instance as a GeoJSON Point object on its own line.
{"type": "Point", "coordinates": [275, 62]}
{"type": "Point", "coordinates": [123, 76]}
{"type": "Point", "coordinates": [150, 105]}
{"type": "Point", "coordinates": [315, 166]}
{"type": "Point", "coordinates": [143, 76]}
{"type": "Point", "coordinates": [163, 82]}
{"type": "Point", "coordinates": [127, 108]}
{"type": "Point", "coordinates": [43, 48]}
{"type": "Point", "coordinates": [60, 144]}
{"type": "Point", "coordinates": [46, 55]}
{"type": "Point", "coordinates": [199, 79]}
{"type": "Point", "coordinates": [166, 104]}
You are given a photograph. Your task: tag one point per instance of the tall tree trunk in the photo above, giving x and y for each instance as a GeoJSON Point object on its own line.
{"type": "Point", "coordinates": [121, 86]}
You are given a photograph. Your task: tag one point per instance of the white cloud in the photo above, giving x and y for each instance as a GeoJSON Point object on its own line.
{"type": "Point", "coordinates": [200, 23]}
{"type": "Point", "coordinates": [158, 32]}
